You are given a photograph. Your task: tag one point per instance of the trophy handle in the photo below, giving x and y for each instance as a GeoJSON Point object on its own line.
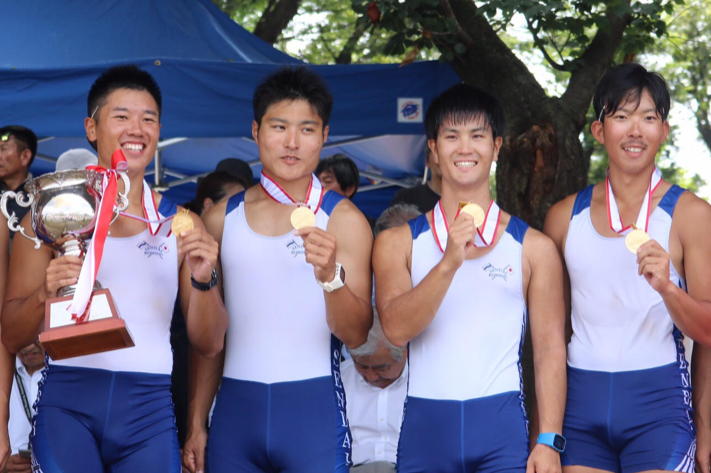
{"type": "Point", "coordinates": [122, 199]}
{"type": "Point", "coordinates": [12, 221]}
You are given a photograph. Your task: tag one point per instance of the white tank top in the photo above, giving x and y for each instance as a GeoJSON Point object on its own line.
{"type": "Point", "coordinates": [472, 348]}
{"type": "Point", "coordinates": [277, 330]}
{"type": "Point", "coordinates": [141, 272]}
{"type": "Point", "coordinates": [619, 322]}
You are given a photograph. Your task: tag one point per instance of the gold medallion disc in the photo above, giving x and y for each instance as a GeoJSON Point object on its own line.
{"type": "Point", "coordinates": [635, 239]}
{"type": "Point", "coordinates": [302, 217]}
{"type": "Point", "coordinates": [182, 222]}
{"type": "Point", "coordinates": [476, 212]}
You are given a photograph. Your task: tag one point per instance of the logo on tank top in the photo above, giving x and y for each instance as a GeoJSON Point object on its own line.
{"type": "Point", "coordinates": [295, 248]}
{"type": "Point", "coordinates": [502, 273]}
{"type": "Point", "coordinates": [153, 250]}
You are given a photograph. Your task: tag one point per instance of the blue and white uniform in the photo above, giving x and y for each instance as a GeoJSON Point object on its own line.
{"type": "Point", "coordinates": [113, 411]}
{"type": "Point", "coordinates": [281, 405]}
{"type": "Point", "coordinates": [629, 392]}
{"type": "Point", "coordinates": [464, 410]}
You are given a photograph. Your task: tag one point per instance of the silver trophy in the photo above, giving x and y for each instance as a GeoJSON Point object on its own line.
{"type": "Point", "coordinates": [64, 210]}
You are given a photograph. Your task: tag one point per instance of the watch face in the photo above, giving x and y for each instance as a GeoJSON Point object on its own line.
{"type": "Point", "coordinates": [559, 442]}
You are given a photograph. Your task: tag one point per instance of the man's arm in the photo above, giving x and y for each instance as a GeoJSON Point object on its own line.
{"type": "Point", "coordinates": [690, 310]}
{"type": "Point", "coordinates": [701, 395]}
{"type": "Point", "coordinates": [547, 315]}
{"type": "Point", "coordinates": [205, 314]}
{"type": "Point", "coordinates": [36, 277]}
{"type": "Point", "coordinates": [349, 241]}
{"type": "Point", "coordinates": [404, 311]}
{"type": "Point", "coordinates": [7, 360]}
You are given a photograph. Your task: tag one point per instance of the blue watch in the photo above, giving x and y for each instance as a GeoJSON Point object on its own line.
{"type": "Point", "coordinates": [554, 441]}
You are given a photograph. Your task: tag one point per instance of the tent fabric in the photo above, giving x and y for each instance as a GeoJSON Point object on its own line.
{"type": "Point", "coordinates": [207, 67]}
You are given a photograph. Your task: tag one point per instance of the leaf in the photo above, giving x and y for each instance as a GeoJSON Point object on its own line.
{"type": "Point", "coordinates": [410, 58]}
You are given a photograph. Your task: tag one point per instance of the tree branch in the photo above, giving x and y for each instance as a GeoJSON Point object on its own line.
{"type": "Point", "coordinates": [346, 54]}
{"type": "Point", "coordinates": [275, 18]}
{"type": "Point", "coordinates": [593, 64]}
{"type": "Point", "coordinates": [537, 41]}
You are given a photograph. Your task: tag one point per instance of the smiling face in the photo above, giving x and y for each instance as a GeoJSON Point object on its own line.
{"type": "Point", "coordinates": [290, 139]}
{"type": "Point", "coordinates": [633, 134]}
{"type": "Point", "coordinates": [465, 151]}
{"type": "Point", "coordinates": [128, 120]}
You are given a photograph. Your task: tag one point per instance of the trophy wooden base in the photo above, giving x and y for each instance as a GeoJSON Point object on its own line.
{"type": "Point", "coordinates": [103, 330]}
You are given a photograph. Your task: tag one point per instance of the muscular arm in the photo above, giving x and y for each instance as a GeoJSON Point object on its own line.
{"type": "Point", "coordinates": [205, 315]}
{"type": "Point", "coordinates": [690, 310]}
{"type": "Point", "coordinates": [349, 311]}
{"type": "Point", "coordinates": [23, 310]}
{"type": "Point", "coordinates": [547, 316]}
{"type": "Point", "coordinates": [701, 395]}
{"type": "Point", "coordinates": [7, 360]}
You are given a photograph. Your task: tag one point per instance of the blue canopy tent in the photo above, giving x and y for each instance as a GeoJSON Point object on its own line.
{"type": "Point", "coordinates": [207, 67]}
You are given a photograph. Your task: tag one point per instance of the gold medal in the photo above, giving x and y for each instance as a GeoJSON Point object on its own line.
{"type": "Point", "coordinates": [302, 217]}
{"type": "Point", "coordinates": [182, 222]}
{"type": "Point", "coordinates": [635, 239]}
{"type": "Point", "coordinates": [473, 210]}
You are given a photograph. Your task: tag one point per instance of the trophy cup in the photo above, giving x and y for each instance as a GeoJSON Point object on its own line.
{"type": "Point", "coordinates": [64, 209]}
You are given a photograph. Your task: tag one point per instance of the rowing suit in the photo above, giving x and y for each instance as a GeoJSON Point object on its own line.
{"type": "Point", "coordinates": [464, 410]}
{"type": "Point", "coordinates": [113, 411]}
{"type": "Point", "coordinates": [281, 405]}
{"type": "Point", "coordinates": [629, 392]}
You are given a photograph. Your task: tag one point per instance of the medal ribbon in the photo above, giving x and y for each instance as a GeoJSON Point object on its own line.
{"type": "Point", "coordinates": [613, 213]}
{"type": "Point", "coordinates": [105, 212]}
{"type": "Point", "coordinates": [153, 218]}
{"type": "Point", "coordinates": [485, 235]}
{"type": "Point", "coordinates": [277, 193]}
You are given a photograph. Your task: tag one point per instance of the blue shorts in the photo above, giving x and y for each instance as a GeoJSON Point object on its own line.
{"type": "Point", "coordinates": [484, 435]}
{"type": "Point", "coordinates": [292, 427]}
{"type": "Point", "coordinates": [630, 421]}
{"type": "Point", "coordinates": [95, 421]}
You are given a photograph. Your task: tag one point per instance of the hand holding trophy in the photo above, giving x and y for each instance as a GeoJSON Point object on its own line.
{"type": "Point", "coordinates": [66, 212]}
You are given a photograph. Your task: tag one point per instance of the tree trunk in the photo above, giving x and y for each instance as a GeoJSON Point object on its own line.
{"type": "Point", "coordinates": [346, 54]}
{"type": "Point", "coordinates": [275, 18]}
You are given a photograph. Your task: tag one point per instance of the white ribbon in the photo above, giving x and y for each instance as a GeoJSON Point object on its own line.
{"type": "Point", "coordinates": [485, 235]}
{"type": "Point", "coordinates": [613, 213]}
{"type": "Point", "coordinates": [153, 218]}
{"type": "Point", "coordinates": [277, 193]}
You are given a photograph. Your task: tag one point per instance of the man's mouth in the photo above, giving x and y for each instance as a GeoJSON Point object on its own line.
{"type": "Point", "coordinates": [133, 146]}
{"type": "Point", "coordinates": [465, 164]}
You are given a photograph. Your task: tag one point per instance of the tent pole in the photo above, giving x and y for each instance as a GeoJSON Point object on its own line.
{"type": "Point", "coordinates": [377, 177]}
{"type": "Point", "coordinates": [158, 176]}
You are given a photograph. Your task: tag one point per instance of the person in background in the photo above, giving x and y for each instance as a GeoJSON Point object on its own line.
{"type": "Point", "coordinates": [18, 147]}
{"type": "Point", "coordinates": [77, 158]}
{"type": "Point", "coordinates": [214, 188]}
{"type": "Point", "coordinates": [239, 169]}
{"type": "Point", "coordinates": [28, 373]}
{"type": "Point", "coordinates": [375, 380]}
{"type": "Point", "coordinates": [338, 173]}
{"type": "Point", "coordinates": [425, 196]}
{"type": "Point", "coordinates": [398, 214]}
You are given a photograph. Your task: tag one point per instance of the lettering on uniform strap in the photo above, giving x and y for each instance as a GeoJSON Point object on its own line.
{"type": "Point", "coordinates": [687, 397]}
{"type": "Point", "coordinates": [337, 379]}
{"type": "Point", "coordinates": [502, 273]}
{"type": "Point", "coordinates": [341, 399]}
{"type": "Point", "coordinates": [346, 441]}
{"type": "Point", "coordinates": [682, 362]}
{"type": "Point", "coordinates": [336, 358]}
{"type": "Point", "coordinates": [153, 250]}
{"type": "Point", "coordinates": [685, 380]}
{"type": "Point", "coordinates": [344, 419]}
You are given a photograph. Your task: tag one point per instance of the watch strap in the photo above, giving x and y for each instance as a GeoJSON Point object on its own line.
{"type": "Point", "coordinates": [555, 441]}
{"type": "Point", "coordinates": [205, 286]}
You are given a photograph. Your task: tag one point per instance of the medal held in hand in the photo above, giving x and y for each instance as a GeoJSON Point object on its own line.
{"type": "Point", "coordinates": [182, 222]}
{"type": "Point", "coordinates": [302, 217]}
{"type": "Point", "coordinates": [474, 211]}
{"type": "Point", "coordinates": [635, 239]}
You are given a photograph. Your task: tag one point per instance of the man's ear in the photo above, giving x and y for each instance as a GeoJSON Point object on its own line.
{"type": "Point", "coordinates": [349, 191]}
{"type": "Point", "coordinates": [25, 157]}
{"type": "Point", "coordinates": [207, 204]}
{"type": "Point", "coordinates": [598, 131]}
{"type": "Point", "coordinates": [433, 147]}
{"type": "Point", "coordinates": [255, 131]}
{"type": "Point", "coordinates": [90, 127]}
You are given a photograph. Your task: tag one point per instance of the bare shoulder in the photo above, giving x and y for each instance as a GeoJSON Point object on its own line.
{"type": "Point", "coordinates": [558, 219]}
{"type": "Point", "coordinates": [538, 246]}
{"type": "Point", "coordinates": [392, 242]}
{"type": "Point", "coordinates": [692, 217]}
{"type": "Point", "coordinates": [214, 220]}
{"type": "Point", "coordinates": [346, 216]}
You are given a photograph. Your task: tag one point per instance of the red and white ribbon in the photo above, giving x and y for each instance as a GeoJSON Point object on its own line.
{"type": "Point", "coordinates": [277, 193]}
{"type": "Point", "coordinates": [105, 213]}
{"type": "Point", "coordinates": [485, 235]}
{"type": "Point", "coordinates": [613, 213]}
{"type": "Point", "coordinates": [152, 217]}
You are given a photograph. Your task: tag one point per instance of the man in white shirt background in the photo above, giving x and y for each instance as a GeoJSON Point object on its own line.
{"type": "Point", "coordinates": [375, 381]}
{"type": "Point", "coordinates": [28, 371]}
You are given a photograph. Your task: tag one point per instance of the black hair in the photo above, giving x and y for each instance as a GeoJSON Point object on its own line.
{"type": "Point", "coordinates": [460, 104]}
{"type": "Point", "coordinates": [127, 76]}
{"type": "Point", "coordinates": [23, 135]}
{"type": "Point", "coordinates": [214, 187]}
{"type": "Point", "coordinates": [293, 83]}
{"type": "Point", "coordinates": [625, 83]}
{"type": "Point", "coordinates": [343, 169]}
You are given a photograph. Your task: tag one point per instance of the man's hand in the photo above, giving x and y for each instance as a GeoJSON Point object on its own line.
{"type": "Point", "coordinates": [194, 451]}
{"type": "Point", "coordinates": [461, 236]}
{"type": "Point", "coordinates": [703, 448]}
{"type": "Point", "coordinates": [320, 249]}
{"type": "Point", "coordinates": [61, 272]}
{"type": "Point", "coordinates": [18, 464]}
{"type": "Point", "coordinates": [654, 264]}
{"type": "Point", "coordinates": [200, 250]}
{"type": "Point", "coordinates": [543, 459]}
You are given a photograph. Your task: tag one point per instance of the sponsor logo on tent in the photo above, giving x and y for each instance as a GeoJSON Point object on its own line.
{"type": "Point", "coordinates": [409, 110]}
